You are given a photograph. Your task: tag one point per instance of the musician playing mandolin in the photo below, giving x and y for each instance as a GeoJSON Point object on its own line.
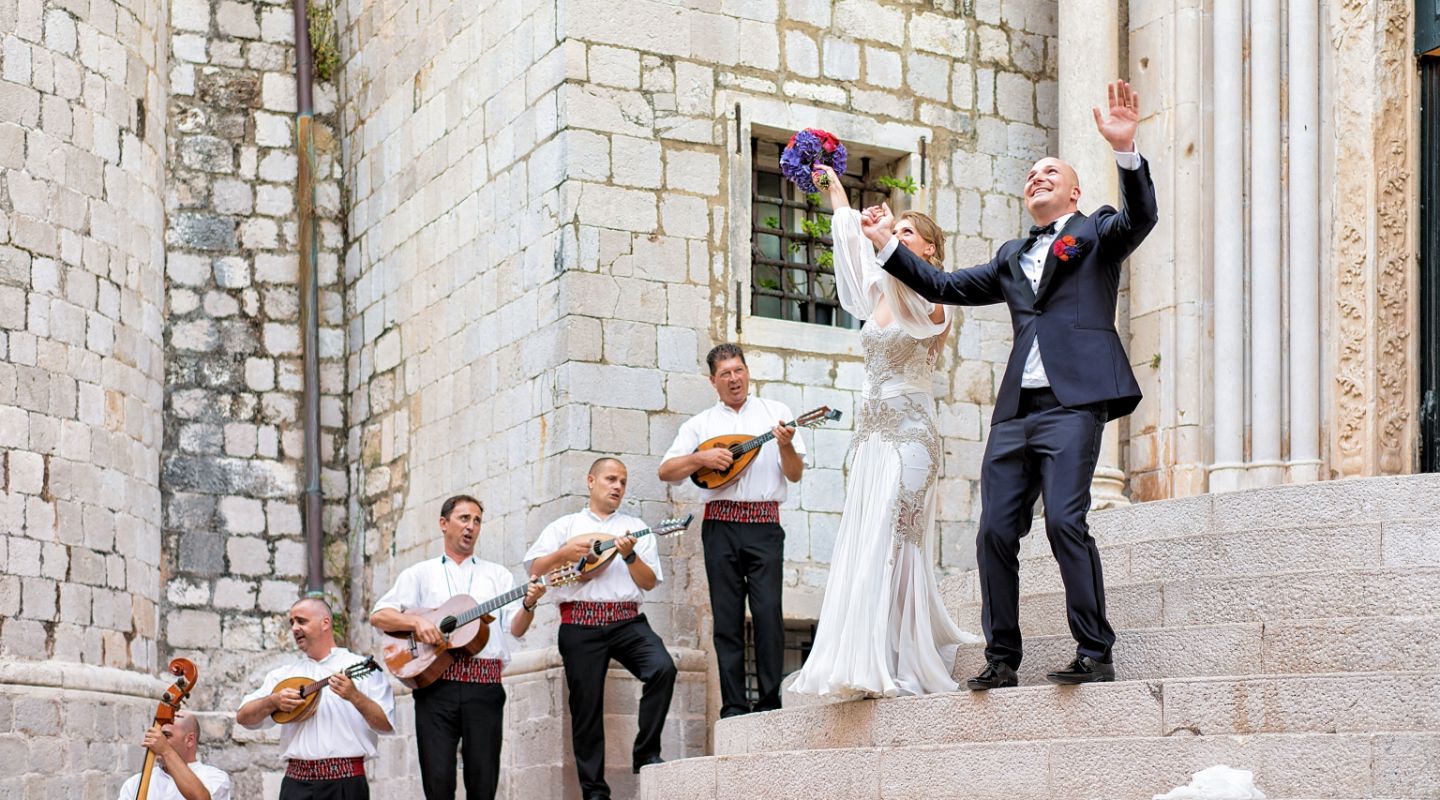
{"type": "Point", "coordinates": [326, 751]}
{"type": "Point", "coordinates": [741, 535]}
{"type": "Point", "coordinates": [179, 774]}
{"type": "Point", "coordinates": [600, 620]}
{"type": "Point", "coordinates": [465, 707]}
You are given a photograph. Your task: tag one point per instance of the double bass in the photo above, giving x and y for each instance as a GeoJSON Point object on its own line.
{"type": "Point", "coordinates": [170, 702]}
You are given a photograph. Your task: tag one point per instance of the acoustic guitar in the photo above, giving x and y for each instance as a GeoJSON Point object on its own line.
{"type": "Point", "coordinates": [310, 691]}
{"type": "Point", "coordinates": [466, 627]}
{"type": "Point", "coordinates": [602, 545]}
{"type": "Point", "coordinates": [744, 448]}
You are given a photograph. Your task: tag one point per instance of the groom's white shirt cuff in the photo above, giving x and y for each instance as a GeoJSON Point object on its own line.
{"type": "Point", "coordinates": [887, 251]}
{"type": "Point", "coordinates": [1130, 160]}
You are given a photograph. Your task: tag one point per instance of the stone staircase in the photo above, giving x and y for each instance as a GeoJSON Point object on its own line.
{"type": "Point", "coordinates": [1293, 632]}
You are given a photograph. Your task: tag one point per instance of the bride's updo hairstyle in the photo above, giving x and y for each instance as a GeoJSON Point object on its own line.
{"type": "Point", "coordinates": [931, 233]}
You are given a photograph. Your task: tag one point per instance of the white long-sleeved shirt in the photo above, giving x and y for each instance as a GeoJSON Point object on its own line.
{"type": "Point", "coordinates": [613, 584]}
{"type": "Point", "coordinates": [337, 729]}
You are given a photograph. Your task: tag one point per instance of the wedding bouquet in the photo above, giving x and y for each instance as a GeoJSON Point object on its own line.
{"type": "Point", "coordinates": [806, 149]}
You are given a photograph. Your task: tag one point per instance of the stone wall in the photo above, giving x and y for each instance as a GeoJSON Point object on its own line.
{"type": "Point", "coordinates": [82, 156]}
{"type": "Point", "coordinates": [233, 450]}
{"type": "Point", "coordinates": [540, 254]}
{"type": "Point", "coordinates": [663, 182]}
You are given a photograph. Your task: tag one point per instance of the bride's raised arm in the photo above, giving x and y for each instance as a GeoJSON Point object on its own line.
{"type": "Point", "coordinates": [856, 274]}
{"type": "Point", "coordinates": [860, 282]}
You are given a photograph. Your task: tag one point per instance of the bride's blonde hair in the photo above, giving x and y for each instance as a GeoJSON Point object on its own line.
{"type": "Point", "coordinates": [931, 233]}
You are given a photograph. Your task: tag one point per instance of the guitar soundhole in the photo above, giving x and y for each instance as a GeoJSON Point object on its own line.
{"type": "Point", "coordinates": [447, 625]}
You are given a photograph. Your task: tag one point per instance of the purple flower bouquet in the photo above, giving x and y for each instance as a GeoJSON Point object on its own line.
{"type": "Point", "coordinates": [806, 149]}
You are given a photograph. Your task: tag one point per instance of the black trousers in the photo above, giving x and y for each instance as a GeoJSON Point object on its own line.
{"type": "Point", "coordinates": [586, 652]}
{"type": "Point", "coordinates": [467, 716]}
{"type": "Point", "coordinates": [343, 789]}
{"type": "Point", "coordinates": [745, 560]}
{"type": "Point", "coordinates": [1048, 451]}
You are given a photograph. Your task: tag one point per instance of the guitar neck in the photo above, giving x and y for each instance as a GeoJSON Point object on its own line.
{"type": "Point", "coordinates": [467, 617]}
{"type": "Point", "coordinates": [606, 545]}
{"type": "Point", "coordinates": [359, 669]}
{"type": "Point", "coordinates": [759, 441]}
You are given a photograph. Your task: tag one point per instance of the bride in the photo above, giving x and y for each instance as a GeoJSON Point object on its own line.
{"type": "Point", "coordinates": [883, 631]}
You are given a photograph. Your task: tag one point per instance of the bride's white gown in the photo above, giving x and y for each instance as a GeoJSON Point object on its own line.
{"type": "Point", "coordinates": [883, 630]}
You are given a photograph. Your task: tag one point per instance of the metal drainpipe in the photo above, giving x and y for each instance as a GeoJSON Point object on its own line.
{"type": "Point", "coordinates": [311, 498]}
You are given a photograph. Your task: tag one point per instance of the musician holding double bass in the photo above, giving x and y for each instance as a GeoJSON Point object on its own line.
{"type": "Point", "coordinates": [600, 619]}
{"type": "Point", "coordinates": [741, 535]}
{"type": "Point", "coordinates": [180, 776]}
{"type": "Point", "coordinates": [326, 745]}
{"type": "Point", "coordinates": [465, 706]}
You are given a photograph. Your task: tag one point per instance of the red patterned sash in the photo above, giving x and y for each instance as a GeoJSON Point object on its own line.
{"type": "Point", "coordinates": [325, 769]}
{"type": "Point", "coordinates": [597, 614]}
{"type": "Point", "coordinates": [736, 511]}
{"type": "Point", "coordinates": [473, 670]}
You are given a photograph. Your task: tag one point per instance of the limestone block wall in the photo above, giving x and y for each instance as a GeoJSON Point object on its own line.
{"type": "Point", "coordinates": [232, 463]}
{"type": "Point", "coordinates": [661, 165]}
{"type": "Point", "coordinates": [82, 156]}
{"type": "Point", "coordinates": [539, 251]}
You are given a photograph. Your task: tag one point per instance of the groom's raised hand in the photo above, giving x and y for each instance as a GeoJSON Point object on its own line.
{"type": "Point", "coordinates": [1119, 127]}
{"type": "Point", "coordinates": [878, 225]}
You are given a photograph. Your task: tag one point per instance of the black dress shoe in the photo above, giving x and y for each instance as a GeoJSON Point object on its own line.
{"type": "Point", "coordinates": [655, 760]}
{"type": "Point", "coordinates": [1083, 669]}
{"type": "Point", "coordinates": [996, 675]}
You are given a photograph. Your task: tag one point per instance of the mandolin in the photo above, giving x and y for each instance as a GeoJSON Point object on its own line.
{"type": "Point", "coordinates": [745, 448]}
{"type": "Point", "coordinates": [466, 626]}
{"type": "Point", "coordinates": [165, 714]}
{"type": "Point", "coordinates": [310, 691]}
{"type": "Point", "coordinates": [602, 545]}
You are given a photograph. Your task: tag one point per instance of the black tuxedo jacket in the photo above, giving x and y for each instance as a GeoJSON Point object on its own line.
{"type": "Point", "coordinates": [1072, 311]}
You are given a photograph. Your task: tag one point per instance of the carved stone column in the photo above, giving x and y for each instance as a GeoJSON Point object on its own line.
{"type": "Point", "coordinates": [1089, 57]}
{"type": "Point", "coordinates": [1371, 311]}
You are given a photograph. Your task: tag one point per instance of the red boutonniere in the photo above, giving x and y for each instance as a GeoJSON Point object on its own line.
{"type": "Point", "coordinates": [1066, 248]}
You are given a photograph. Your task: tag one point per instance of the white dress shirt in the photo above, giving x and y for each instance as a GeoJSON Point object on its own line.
{"type": "Point", "coordinates": [613, 584]}
{"type": "Point", "coordinates": [763, 480]}
{"type": "Point", "coordinates": [337, 729]}
{"type": "Point", "coordinates": [1032, 262]}
{"type": "Point", "coordinates": [435, 580]}
{"type": "Point", "coordinates": [162, 786]}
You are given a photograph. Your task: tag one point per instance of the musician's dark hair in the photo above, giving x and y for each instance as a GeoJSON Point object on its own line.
{"type": "Point", "coordinates": [600, 462]}
{"type": "Point", "coordinates": [451, 502]}
{"type": "Point", "coordinates": [723, 352]}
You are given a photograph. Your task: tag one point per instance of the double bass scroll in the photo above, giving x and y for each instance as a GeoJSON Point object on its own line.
{"type": "Point", "coordinates": [170, 702]}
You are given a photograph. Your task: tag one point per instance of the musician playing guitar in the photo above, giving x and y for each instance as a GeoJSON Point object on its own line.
{"type": "Point", "coordinates": [741, 535]}
{"type": "Point", "coordinates": [465, 707]}
{"type": "Point", "coordinates": [180, 776]}
{"type": "Point", "coordinates": [600, 619]}
{"type": "Point", "coordinates": [327, 750]}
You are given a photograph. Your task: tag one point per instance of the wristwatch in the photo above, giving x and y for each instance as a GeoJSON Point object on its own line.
{"type": "Point", "coordinates": [531, 609]}
{"type": "Point", "coordinates": [630, 559]}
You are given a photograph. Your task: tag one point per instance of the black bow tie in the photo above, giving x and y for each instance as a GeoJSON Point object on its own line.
{"type": "Point", "coordinates": [1042, 230]}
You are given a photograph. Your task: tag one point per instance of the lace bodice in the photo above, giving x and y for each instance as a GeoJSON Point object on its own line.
{"type": "Point", "coordinates": [896, 362]}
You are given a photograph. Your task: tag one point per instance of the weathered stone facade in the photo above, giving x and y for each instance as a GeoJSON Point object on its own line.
{"type": "Point", "coordinates": [82, 171]}
{"type": "Point", "coordinates": [535, 220]}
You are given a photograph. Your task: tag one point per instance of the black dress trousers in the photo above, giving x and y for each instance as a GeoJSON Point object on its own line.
{"type": "Point", "coordinates": [352, 788]}
{"type": "Point", "coordinates": [745, 561]}
{"type": "Point", "coordinates": [1048, 451]}
{"type": "Point", "coordinates": [586, 651]}
{"type": "Point", "coordinates": [468, 717]}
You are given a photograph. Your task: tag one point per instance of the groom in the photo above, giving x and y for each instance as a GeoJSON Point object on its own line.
{"type": "Point", "coordinates": [1067, 375]}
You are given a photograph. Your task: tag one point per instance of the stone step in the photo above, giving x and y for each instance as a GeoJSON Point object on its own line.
{"type": "Point", "coordinates": [1327, 703]}
{"type": "Point", "coordinates": [1225, 554]}
{"type": "Point", "coordinates": [1409, 501]}
{"type": "Point", "coordinates": [1173, 602]}
{"type": "Point", "coordinates": [1283, 647]}
{"type": "Point", "coordinates": [1389, 765]}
